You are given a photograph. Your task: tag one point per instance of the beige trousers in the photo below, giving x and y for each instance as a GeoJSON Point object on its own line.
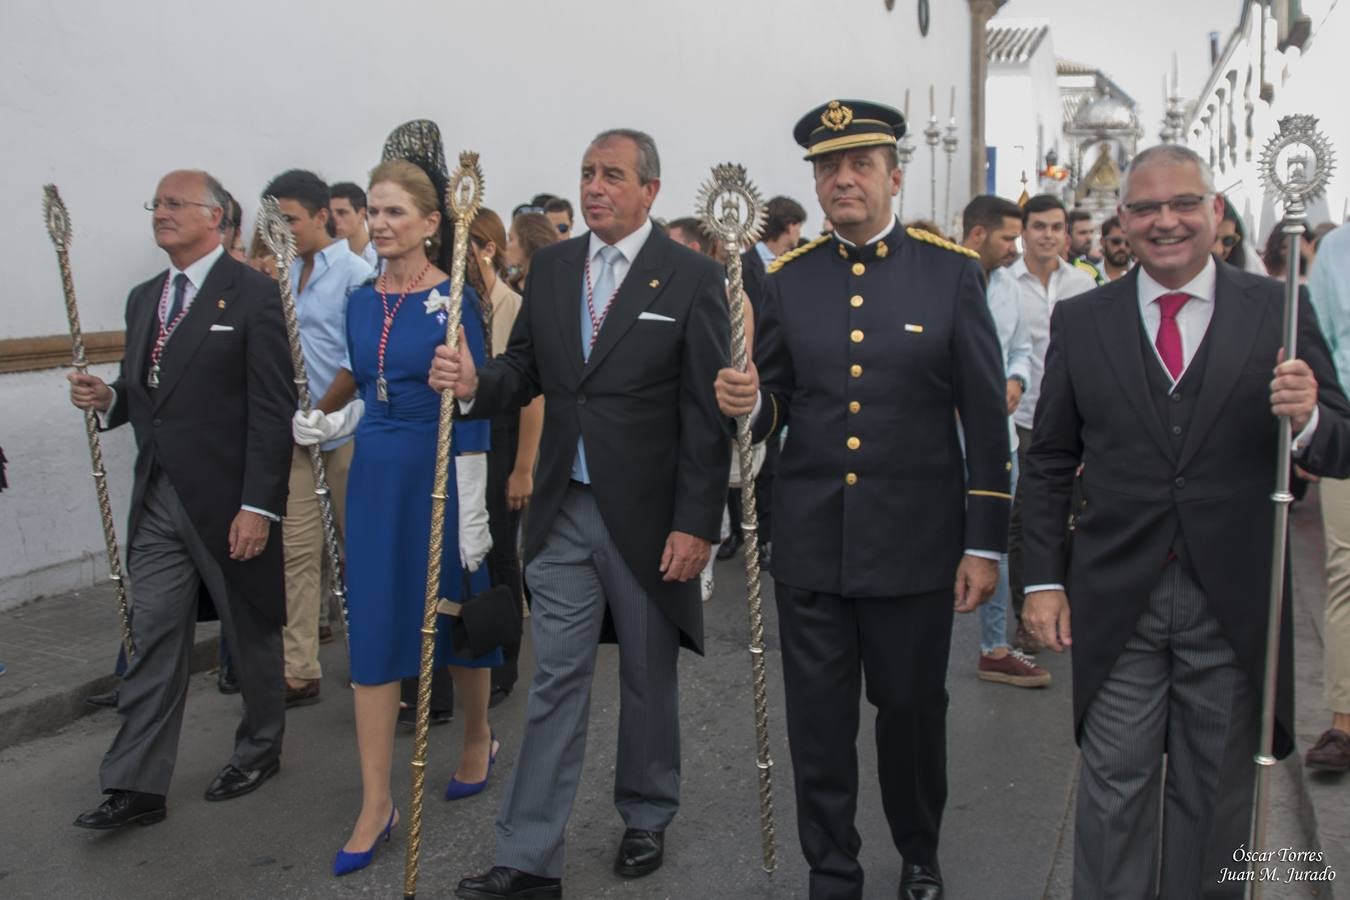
{"type": "Point", "coordinates": [1336, 524]}
{"type": "Point", "coordinates": [302, 541]}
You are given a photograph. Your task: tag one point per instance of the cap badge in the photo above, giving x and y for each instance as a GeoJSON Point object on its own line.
{"type": "Point", "coordinates": [836, 116]}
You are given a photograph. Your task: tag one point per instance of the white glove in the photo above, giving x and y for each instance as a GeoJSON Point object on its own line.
{"type": "Point", "coordinates": [314, 427]}
{"type": "Point", "coordinates": [475, 539]}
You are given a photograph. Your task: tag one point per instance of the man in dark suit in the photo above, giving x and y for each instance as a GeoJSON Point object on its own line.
{"type": "Point", "coordinates": [870, 343]}
{"type": "Point", "coordinates": [207, 386]}
{"type": "Point", "coordinates": [623, 331]}
{"type": "Point", "coordinates": [1160, 384]}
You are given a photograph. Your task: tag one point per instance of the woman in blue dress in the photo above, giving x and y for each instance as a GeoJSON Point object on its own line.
{"type": "Point", "coordinates": [393, 327]}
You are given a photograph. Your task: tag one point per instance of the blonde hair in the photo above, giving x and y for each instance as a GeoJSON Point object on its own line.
{"type": "Point", "coordinates": [418, 186]}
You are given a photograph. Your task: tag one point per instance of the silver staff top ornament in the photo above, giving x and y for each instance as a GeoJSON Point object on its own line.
{"type": "Point", "coordinates": [729, 205]}
{"type": "Point", "coordinates": [1297, 163]}
{"type": "Point", "coordinates": [58, 220]}
{"type": "Point", "coordinates": [276, 234]}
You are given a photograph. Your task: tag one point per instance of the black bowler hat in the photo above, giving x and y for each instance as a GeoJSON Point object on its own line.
{"type": "Point", "coordinates": [845, 124]}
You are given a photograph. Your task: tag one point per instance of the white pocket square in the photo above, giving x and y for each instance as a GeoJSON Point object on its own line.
{"type": "Point", "coordinates": [654, 317]}
{"type": "Point", "coordinates": [222, 328]}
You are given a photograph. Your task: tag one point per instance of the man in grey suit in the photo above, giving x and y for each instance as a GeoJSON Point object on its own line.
{"type": "Point", "coordinates": [207, 387]}
{"type": "Point", "coordinates": [1162, 385]}
{"type": "Point", "coordinates": [623, 331]}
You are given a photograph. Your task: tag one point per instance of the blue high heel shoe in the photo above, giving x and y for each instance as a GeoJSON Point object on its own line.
{"type": "Point", "coordinates": [345, 863]}
{"type": "Point", "coordinates": [458, 790]}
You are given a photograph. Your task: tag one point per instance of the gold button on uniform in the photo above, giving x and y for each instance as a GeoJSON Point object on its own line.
{"type": "Point", "coordinates": [854, 407]}
{"type": "Point", "coordinates": [856, 336]}
{"type": "Point", "coordinates": [855, 301]}
{"type": "Point", "coordinates": [850, 478]}
{"type": "Point", "coordinates": [859, 268]}
{"type": "Point", "coordinates": [842, 251]}
{"type": "Point", "coordinates": [854, 443]}
{"type": "Point", "coordinates": [882, 249]}
{"type": "Point", "coordinates": [855, 370]}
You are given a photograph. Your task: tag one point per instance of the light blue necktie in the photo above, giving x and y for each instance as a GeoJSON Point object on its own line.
{"type": "Point", "coordinates": [601, 292]}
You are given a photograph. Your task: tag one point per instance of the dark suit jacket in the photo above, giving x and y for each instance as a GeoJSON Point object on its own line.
{"type": "Point", "coordinates": [753, 274]}
{"type": "Point", "coordinates": [867, 355]}
{"type": "Point", "coordinates": [657, 447]}
{"type": "Point", "coordinates": [1095, 407]}
{"type": "Point", "coordinates": [219, 425]}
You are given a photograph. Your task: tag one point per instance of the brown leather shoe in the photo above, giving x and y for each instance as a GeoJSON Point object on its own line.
{"type": "Point", "coordinates": [1331, 753]}
{"type": "Point", "coordinates": [305, 695]}
{"type": "Point", "coordinates": [1014, 668]}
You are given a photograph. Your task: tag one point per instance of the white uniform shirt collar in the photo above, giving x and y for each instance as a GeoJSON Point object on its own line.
{"type": "Point", "coordinates": [878, 236]}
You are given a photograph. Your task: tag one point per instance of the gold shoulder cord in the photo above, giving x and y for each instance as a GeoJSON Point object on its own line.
{"type": "Point", "coordinates": [929, 238]}
{"type": "Point", "coordinates": [793, 254]}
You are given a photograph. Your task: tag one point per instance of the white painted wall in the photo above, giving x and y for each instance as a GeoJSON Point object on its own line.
{"type": "Point", "coordinates": [1022, 103]}
{"type": "Point", "coordinates": [102, 98]}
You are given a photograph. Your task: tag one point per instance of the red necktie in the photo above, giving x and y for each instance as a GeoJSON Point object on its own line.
{"type": "Point", "coordinates": [1168, 341]}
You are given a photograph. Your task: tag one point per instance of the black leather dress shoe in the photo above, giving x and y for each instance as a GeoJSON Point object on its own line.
{"type": "Point", "coordinates": [498, 695]}
{"type": "Point", "coordinates": [124, 808]}
{"type": "Point", "coordinates": [921, 882]}
{"type": "Point", "coordinates": [514, 884]}
{"type": "Point", "coordinates": [640, 852]}
{"type": "Point", "coordinates": [727, 549]}
{"type": "Point", "coordinates": [103, 701]}
{"type": "Point", "coordinates": [226, 682]}
{"type": "Point", "coordinates": [234, 782]}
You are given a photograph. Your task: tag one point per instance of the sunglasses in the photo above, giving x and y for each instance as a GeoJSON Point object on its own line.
{"type": "Point", "coordinates": [1114, 242]}
{"type": "Point", "coordinates": [1230, 241]}
{"type": "Point", "coordinates": [563, 228]}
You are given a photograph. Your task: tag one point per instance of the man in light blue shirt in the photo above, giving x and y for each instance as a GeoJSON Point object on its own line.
{"type": "Point", "coordinates": [323, 276]}
{"type": "Point", "coordinates": [991, 227]}
{"type": "Point", "coordinates": [1329, 285]}
{"type": "Point", "coordinates": [347, 207]}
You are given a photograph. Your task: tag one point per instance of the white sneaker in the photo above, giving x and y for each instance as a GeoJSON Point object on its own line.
{"type": "Point", "coordinates": [705, 582]}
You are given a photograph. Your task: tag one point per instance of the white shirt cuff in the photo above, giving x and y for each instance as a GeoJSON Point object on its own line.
{"type": "Point", "coordinates": [103, 414]}
{"type": "Point", "coordinates": [759, 404]}
{"type": "Point", "coordinates": [1306, 435]}
{"type": "Point", "coordinates": [262, 512]}
{"type": "Point", "coordinates": [985, 554]}
{"type": "Point", "coordinates": [465, 406]}
{"type": "Point", "coordinates": [1034, 588]}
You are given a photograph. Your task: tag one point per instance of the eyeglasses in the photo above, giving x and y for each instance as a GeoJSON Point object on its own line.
{"type": "Point", "coordinates": [1230, 241]}
{"type": "Point", "coordinates": [1181, 204]}
{"type": "Point", "coordinates": [173, 205]}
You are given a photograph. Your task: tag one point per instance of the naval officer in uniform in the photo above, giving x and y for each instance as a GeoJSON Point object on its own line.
{"type": "Point", "coordinates": [875, 345]}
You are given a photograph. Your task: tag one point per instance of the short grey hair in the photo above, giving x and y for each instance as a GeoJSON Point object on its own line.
{"type": "Point", "coordinates": [216, 195]}
{"type": "Point", "coordinates": [1168, 154]}
{"type": "Point", "coordinates": [649, 163]}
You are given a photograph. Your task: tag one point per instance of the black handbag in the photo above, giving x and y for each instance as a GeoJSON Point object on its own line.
{"type": "Point", "coordinates": [482, 622]}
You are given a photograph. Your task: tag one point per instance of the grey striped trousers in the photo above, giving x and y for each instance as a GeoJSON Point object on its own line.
{"type": "Point", "coordinates": [573, 578]}
{"type": "Point", "coordinates": [1175, 689]}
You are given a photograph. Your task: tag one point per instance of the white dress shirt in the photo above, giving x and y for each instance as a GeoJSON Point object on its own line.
{"type": "Point", "coordinates": [1037, 301]}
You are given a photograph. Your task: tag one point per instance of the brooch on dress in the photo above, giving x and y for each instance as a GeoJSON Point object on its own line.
{"type": "Point", "coordinates": [437, 303]}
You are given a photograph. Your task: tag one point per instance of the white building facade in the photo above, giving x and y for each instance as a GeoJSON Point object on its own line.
{"type": "Point", "coordinates": [103, 98]}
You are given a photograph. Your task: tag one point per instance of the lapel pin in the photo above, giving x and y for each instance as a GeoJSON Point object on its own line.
{"type": "Point", "coordinates": [655, 282]}
{"type": "Point", "coordinates": [914, 329]}
{"type": "Point", "coordinates": [220, 304]}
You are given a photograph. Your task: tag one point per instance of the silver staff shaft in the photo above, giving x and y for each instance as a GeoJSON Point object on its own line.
{"type": "Point", "coordinates": [1282, 498]}
{"type": "Point", "coordinates": [731, 209]}
{"type": "Point", "coordinates": [281, 242]}
{"type": "Point", "coordinates": [58, 227]}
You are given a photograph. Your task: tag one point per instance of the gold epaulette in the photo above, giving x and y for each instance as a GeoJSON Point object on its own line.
{"type": "Point", "coordinates": [929, 238]}
{"type": "Point", "coordinates": [789, 256]}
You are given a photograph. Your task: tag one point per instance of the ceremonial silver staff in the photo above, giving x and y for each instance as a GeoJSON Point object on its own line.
{"type": "Point", "coordinates": [276, 234]}
{"type": "Point", "coordinates": [58, 227]}
{"type": "Point", "coordinates": [463, 197]}
{"type": "Point", "coordinates": [950, 141]}
{"type": "Point", "coordinates": [932, 134]}
{"type": "Point", "coordinates": [731, 209]}
{"type": "Point", "coordinates": [1295, 166]}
